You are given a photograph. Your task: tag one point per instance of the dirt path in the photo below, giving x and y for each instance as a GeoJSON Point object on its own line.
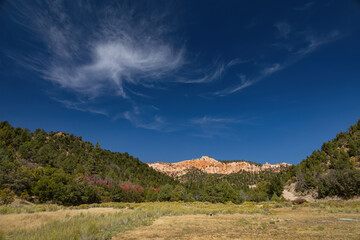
{"type": "Point", "coordinates": [11, 222]}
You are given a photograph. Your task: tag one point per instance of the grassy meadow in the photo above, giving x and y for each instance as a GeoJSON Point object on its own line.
{"type": "Point", "coordinates": [179, 220]}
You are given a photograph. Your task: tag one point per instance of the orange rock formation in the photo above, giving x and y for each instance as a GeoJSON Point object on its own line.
{"type": "Point", "coordinates": [210, 165]}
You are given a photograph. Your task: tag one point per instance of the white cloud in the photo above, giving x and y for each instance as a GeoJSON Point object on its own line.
{"type": "Point", "coordinates": [145, 117]}
{"type": "Point", "coordinates": [156, 123]}
{"type": "Point", "coordinates": [115, 63]}
{"type": "Point", "coordinates": [311, 41]}
{"type": "Point", "coordinates": [270, 70]}
{"type": "Point", "coordinates": [81, 106]}
{"type": "Point", "coordinates": [100, 56]}
{"type": "Point", "coordinates": [304, 6]}
{"type": "Point", "coordinates": [205, 120]}
{"type": "Point", "coordinates": [116, 51]}
{"type": "Point", "coordinates": [245, 82]}
{"type": "Point", "coordinates": [104, 51]}
{"type": "Point", "coordinates": [210, 127]}
{"type": "Point", "coordinates": [315, 41]}
{"type": "Point", "coordinates": [284, 29]}
{"type": "Point", "coordinates": [210, 76]}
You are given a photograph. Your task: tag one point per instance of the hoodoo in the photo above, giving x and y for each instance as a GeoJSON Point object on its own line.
{"type": "Point", "coordinates": [211, 165]}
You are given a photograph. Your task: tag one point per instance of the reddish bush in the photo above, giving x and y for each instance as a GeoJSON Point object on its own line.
{"type": "Point", "coordinates": [155, 189]}
{"type": "Point", "coordinates": [131, 187]}
{"type": "Point", "coordinates": [97, 180]}
{"type": "Point", "coordinates": [126, 186]}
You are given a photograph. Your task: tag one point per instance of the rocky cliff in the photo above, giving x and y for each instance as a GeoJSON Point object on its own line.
{"type": "Point", "coordinates": [210, 165]}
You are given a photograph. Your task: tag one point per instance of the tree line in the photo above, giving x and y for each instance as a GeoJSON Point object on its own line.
{"type": "Point", "coordinates": [61, 168]}
{"type": "Point", "coordinates": [334, 169]}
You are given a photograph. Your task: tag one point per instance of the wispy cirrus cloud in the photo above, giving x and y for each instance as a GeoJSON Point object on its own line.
{"type": "Point", "coordinates": [147, 117]}
{"type": "Point", "coordinates": [272, 69]}
{"type": "Point", "coordinates": [306, 43]}
{"type": "Point", "coordinates": [304, 7]}
{"type": "Point", "coordinates": [100, 50]}
{"type": "Point", "coordinates": [210, 127]}
{"type": "Point", "coordinates": [154, 123]}
{"type": "Point", "coordinates": [214, 120]}
{"type": "Point", "coordinates": [81, 106]}
{"type": "Point", "coordinates": [208, 77]}
{"type": "Point", "coordinates": [113, 49]}
{"type": "Point", "coordinates": [315, 41]}
{"type": "Point", "coordinates": [245, 82]}
{"type": "Point", "coordinates": [220, 69]}
{"type": "Point", "coordinates": [95, 51]}
{"type": "Point", "coordinates": [284, 29]}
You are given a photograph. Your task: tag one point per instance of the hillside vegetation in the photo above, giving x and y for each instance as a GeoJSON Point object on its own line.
{"type": "Point", "coordinates": [243, 185]}
{"type": "Point", "coordinates": [61, 168]}
{"type": "Point", "coordinates": [231, 161]}
{"type": "Point", "coordinates": [333, 170]}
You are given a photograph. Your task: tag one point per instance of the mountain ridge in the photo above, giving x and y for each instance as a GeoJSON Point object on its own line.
{"type": "Point", "coordinates": [212, 166]}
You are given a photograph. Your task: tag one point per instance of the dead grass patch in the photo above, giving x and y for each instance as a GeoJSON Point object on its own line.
{"type": "Point", "coordinates": [11, 222]}
{"type": "Point", "coordinates": [179, 220]}
{"type": "Point", "coordinates": [284, 223]}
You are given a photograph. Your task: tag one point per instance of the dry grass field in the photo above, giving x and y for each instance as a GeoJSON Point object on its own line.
{"type": "Point", "coordinates": [268, 220]}
{"type": "Point", "coordinates": [284, 223]}
{"type": "Point", "coordinates": [11, 222]}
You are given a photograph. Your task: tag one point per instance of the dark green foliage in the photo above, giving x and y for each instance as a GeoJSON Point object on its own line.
{"type": "Point", "coordinates": [52, 167]}
{"type": "Point", "coordinates": [165, 192]}
{"type": "Point", "coordinates": [230, 161]}
{"type": "Point", "coordinates": [343, 183]}
{"type": "Point", "coordinates": [260, 192]}
{"type": "Point", "coordinates": [227, 192]}
{"type": "Point", "coordinates": [178, 194]}
{"type": "Point", "coordinates": [276, 186]}
{"type": "Point", "coordinates": [54, 185]}
{"type": "Point", "coordinates": [234, 187]}
{"type": "Point", "coordinates": [6, 196]}
{"type": "Point", "coordinates": [275, 198]}
{"type": "Point", "coordinates": [211, 193]}
{"type": "Point", "coordinates": [62, 168]}
{"type": "Point", "coordinates": [333, 171]}
{"type": "Point", "coordinates": [151, 195]}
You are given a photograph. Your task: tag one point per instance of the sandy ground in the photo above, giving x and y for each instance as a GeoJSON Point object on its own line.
{"type": "Point", "coordinates": [11, 222]}
{"type": "Point", "coordinates": [290, 194]}
{"type": "Point", "coordinates": [285, 223]}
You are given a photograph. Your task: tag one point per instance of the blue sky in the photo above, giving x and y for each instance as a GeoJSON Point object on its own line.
{"type": "Point", "coordinates": [265, 81]}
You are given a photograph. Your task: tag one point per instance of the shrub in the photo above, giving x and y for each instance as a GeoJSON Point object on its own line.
{"type": "Point", "coordinates": [7, 196]}
{"type": "Point", "coordinates": [343, 183]}
{"type": "Point", "coordinates": [275, 198]}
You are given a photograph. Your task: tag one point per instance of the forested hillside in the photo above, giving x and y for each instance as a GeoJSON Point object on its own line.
{"type": "Point", "coordinates": [247, 186]}
{"type": "Point", "coordinates": [56, 167]}
{"type": "Point", "coordinates": [333, 170]}
{"type": "Point", "coordinates": [61, 168]}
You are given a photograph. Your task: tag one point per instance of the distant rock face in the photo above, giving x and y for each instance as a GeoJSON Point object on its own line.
{"type": "Point", "coordinates": [210, 165]}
